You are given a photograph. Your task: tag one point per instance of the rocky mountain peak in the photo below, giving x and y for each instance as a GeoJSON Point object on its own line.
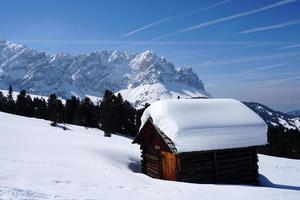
{"type": "Point", "coordinates": [91, 74]}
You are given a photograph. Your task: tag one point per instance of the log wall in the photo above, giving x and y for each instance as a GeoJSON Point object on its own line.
{"type": "Point", "coordinates": [151, 163]}
{"type": "Point", "coordinates": [227, 166]}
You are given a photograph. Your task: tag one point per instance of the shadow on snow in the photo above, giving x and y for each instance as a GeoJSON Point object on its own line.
{"type": "Point", "coordinates": [265, 182]}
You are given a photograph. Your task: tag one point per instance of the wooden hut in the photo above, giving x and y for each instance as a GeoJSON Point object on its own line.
{"type": "Point", "coordinates": [201, 141]}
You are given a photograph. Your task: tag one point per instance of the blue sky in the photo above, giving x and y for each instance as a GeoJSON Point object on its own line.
{"type": "Point", "coordinates": [243, 49]}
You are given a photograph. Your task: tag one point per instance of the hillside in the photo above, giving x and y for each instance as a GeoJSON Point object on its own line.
{"type": "Point", "coordinates": [275, 118]}
{"type": "Point", "coordinates": [141, 77]}
{"type": "Point", "coordinates": [295, 113]}
{"type": "Point", "coordinates": [39, 161]}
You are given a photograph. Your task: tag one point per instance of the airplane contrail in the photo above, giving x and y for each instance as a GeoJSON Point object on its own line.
{"type": "Point", "coordinates": [291, 46]}
{"type": "Point", "coordinates": [271, 83]}
{"type": "Point", "coordinates": [228, 18]}
{"type": "Point", "coordinates": [276, 26]}
{"type": "Point", "coordinates": [263, 68]}
{"type": "Point", "coordinates": [185, 14]}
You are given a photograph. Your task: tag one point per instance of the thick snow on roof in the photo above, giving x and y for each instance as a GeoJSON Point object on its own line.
{"type": "Point", "coordinates": [207, 124]}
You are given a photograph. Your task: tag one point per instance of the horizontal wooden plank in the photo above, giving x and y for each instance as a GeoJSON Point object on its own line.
{"type": "Point", "coordinates": [255, 158]}
{"type": "Point", "coordinates": [197, 163]}
{"type": "Point", "coordinates": [154, 167]}
{"type": "Point", "coordinates": [225, 157]}
{"type": "Point", "coordinates": [198, 169]}
{"type": "Point", "coordinates": [194, 170]}
{"type": "Point", "coordinates": [235, 175]}
{"type": "Point", "coordinates": [152, 171]}
{"type": "Point", "coordinates": [235, 170]}
{"type": "Point", "coordinates": [234, 154]}
{"type": "Point", "coordinates": [147, 156]}
{"type": "Point", "coordinates": [234, 151]}
{"type": "Point", "coordinates": [153, 175]}
{"type": "Point", "coordinates": [156, 162]}
{"type": "Point", "coordinates": [196, 159]}
{"type": "Point", "coordinates": [152, 155]}
{"type": "Point", "coordinates": [233, 160]}
{"type": "Point", "coordinates": [197, 166]}
{"type": "Point", "coordinates": [152, 162]}
{"type": "Point", "coordinates": [196, 156]}
{"type": "Point", "coordinates": [247, 163]}
{"type": "Point", "coordinates": [197, 174]}
{"type": "Point", "coordinates": [153, 151]}
{"type": "Point", "coordinates": [237, 153]}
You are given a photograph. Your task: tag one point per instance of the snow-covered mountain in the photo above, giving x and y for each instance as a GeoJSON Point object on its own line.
{"type": "Point", "coordinates": [142, 77]}
{"type": "Point", "coordinates": [275, 118]}
{"type": "Point", "coordinates": [295, 113]}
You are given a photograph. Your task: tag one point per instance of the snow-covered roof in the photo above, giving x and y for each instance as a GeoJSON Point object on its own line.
{"type": "Point", "coordinates": [207, 124]}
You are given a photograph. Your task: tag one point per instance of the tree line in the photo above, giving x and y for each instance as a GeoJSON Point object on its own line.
{"type": "Point", "coordinates": [112, 114]}
{"type": "Point", "coordinates": [282, 142]}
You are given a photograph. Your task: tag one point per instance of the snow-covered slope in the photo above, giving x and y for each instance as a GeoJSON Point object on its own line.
{"type": "Point", "coordinates": [152, 92]}
{"type": "Point", "coordinates": [92, 74]}
{"type": "Point", "coordinates": [275, 118]}
{"type": "Point", "coordinates": [38, 161]}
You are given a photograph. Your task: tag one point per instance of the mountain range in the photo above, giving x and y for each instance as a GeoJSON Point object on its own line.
{"type": "Point", "coordinates": [295, 113]}
{"type": "Point", "coordinates": [275, 118]}
{"type": "Point", "coordinates": [139, 77]}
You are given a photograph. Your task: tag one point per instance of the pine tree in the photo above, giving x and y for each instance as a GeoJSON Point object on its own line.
{"type": "Point", "coordinates": [21, 103]}
{"type": "Point", "coordinates": [117, 115]}
{"type": "Point", "coordinates": [77, 117]}
{"type": "Point", "coordinates": [106, 110]}
{"type": "Point", "coordinates": [128, 119]}
{"type": "Point", "coordinates": [3, 102]}
{"type": "Point", "coordinates": [40, 108]}
{"type": "Point", "coordinates": [29, 112]}
{"type": "Point", "coordinates": [59, 110]}
{"type": "Point", "coordinates": [70, 108]}
{"type": "Point", "coordinates": [10, 101]}
{"type": "Point", "coordinates": [88, 113]}
{"type": "Point", "coordinates": [52, 108]}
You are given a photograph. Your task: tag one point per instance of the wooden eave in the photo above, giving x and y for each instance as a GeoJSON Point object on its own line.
{"type": "Point", "coordinates": [165, 138]}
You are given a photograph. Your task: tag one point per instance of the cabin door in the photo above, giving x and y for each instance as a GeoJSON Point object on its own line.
{"type": "Point", "coordinates": [169, 166]}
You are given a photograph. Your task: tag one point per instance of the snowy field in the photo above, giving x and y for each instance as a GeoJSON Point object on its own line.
{"type": "Point", "coordinates": [38, 161]}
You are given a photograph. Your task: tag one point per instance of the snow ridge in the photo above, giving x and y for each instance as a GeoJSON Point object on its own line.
{"type": "Point", "coordinates": [275, 118]}
{"type": "Point", "coordinates": [295, 113]}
